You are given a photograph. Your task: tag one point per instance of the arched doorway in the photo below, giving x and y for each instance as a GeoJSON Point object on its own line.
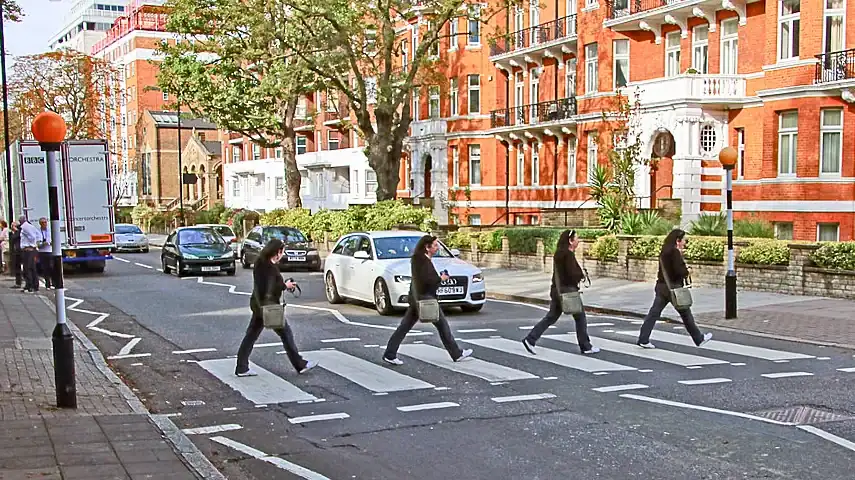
{"type": "Point", "coordinates": [427, 166]}
{"type": "Point", "coordinates": [661, 165]}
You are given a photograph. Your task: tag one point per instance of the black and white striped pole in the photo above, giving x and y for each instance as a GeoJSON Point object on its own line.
{"type": "Point", "coordinates": [728, 157]}
{"type": "Point", "coordinates": [49, 130]}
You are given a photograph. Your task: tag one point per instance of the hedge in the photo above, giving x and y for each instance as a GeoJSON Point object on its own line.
{"type": "Point", "coordinates": [604, 248]}
{"type": "Point", "coordinates": [837, 256]}
{"type": "Point", "coordinates": [712, 249]}
{"type": "Point", "coordinates": [764, 252]}
{"type": "Point", "coordinates": [520, 239]}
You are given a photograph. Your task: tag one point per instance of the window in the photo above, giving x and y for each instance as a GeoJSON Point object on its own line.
{"type": "Point", "coordinates": [278, 152]}
{"type": "Point", "coordinates": [301, 144]}
{"type": "Point", "coordinates": [571, 7]}
{"type": "Point", "coordinates": [146, 174]}
{"type": "Point", "coordinates": [165, 96]}
{"type": "Point", "coordinates": [256, 151]}
{"type": "Point", "coordinates": [789, 12]}
{"type": "Point", "coordinates": [591, 4]}
{"type": "Point", "coordinates": [534, 20]}
{"type": "Point", "coordinates": [701, 48]}
{"type": "Point", "coordinates": [519, 19]}
{"type": "Point", "coordinates": [740, 150]}
{"type": "Point", "coordinates": [592, 154]}
{"type": "Point", "coordinates": [831, 146]}
{"type": "Point", "coordinates": [788, 133]}
{"type": "Point", "coordinates": [453, 33]}
{"type": "Point", "coordinates": [475, 25]}
{"type": "Point", "coordinates": [454, 93]}
{"type": "Point", "coordinates": [783, 230]}
{"type": "Point", "coordinates": [280, 187]}
{"type": "Point", "coordinates": [591, 69]}
{"type": "Point", "coordinates": [371, 90]}
{"type": "Point", "coordinates": [570, 78]}
{"type": "Point", "coordinates": [370, 182]}
{"type": "Point", "coordinates": [833, 36]}
{"type": "Point", "coordinates": [672, 54]}
{"type": "Point", "coordinates": [571, 161]}
{"type": "Point", "coordinates": [535, 164]}
{"type": "Point", "coordinates": [621, 63]}
{"type": "Point", "coordinates": [520, 166]}
{"type": "Point", "coordinates": [519, 90]}
{"type": "Point", "coordinates": [333, 140]}
{"type": "Point", "coordinates": [236, 154]}
{"type": "Point", "coordinates": [729, 46]}
{"type": "Point", "coordinates": [236, 187]}
{"type": "Point", "coordinates": [404, 56]}
{"type": "Point", "coordinates": [533, 94]}
{"type": "Point", "coordinates": [416, 106]}
{"type": "Point", "coordinates": [433, 103]}
{"type": "Point", "coordinates": [455, 166]}
{"type": "Point", "coordinates": [474, 94]}
{"type": "Point", "coordinates": [474, 219]}
{"type": "Point", "coordinates": [827, 232]}
{"type": "Point", "coordinates": [474, 164]}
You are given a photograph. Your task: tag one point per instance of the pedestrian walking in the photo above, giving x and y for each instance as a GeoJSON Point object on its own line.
{"type": "Point", "coordinates": [4, 245]}
{"type": "Point", "coordinates": [45, 253]}
{"type": "Point", "coordinates": [423, 285]}
{"type": "Point", "coordinates": [15, 253]}
{"type": "Point", "coordinates": [30, 237]}
{"type": "Point", "coordinates": [672, 276]}
{"type": "Point", "coordinates": [267, 290]}
{"type": "Point", "coordinates": [567, 275]}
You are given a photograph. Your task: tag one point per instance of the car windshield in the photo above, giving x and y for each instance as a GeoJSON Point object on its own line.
{"type": "Point", "coordinates": [127, 229]}
{"type": "Point", "coordinates": [388, 248]}
{"type": "Point", "coordinates": [199, 237]}
{"type": "Point", "coordinates": [224, 231]}
{"type": "Point", "coordinates": [287, 235]}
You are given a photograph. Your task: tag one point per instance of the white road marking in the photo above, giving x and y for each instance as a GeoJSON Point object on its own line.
{"type": "Point", "coordinates": [695, 367]}
{"type": "Point", "coordinates": [136, 364]}
{"type": "Point", "coordinates": [601, 373]}
{"type": "Point", "coordinates": [336, 340]}
{"type": "Point", "coordinates": [477, 330]}
{"type": "Point", "coordinates": [705, 381]}
{"type": "Point", "coordinates": [703, 409]}
{"type": "Point", "coordinates": [171, 415]}
{"type": "Point", "coordinates": [847, 370]}
{"type": "Point", "coordinates": [371, 346]}
{"type": "Point", "coordinates": [442, 389]}
{"type": "Point", "coordinates": [367, 374]}
{"type": "Point", "coordinates": [266, 345]}
{"type": "Point", "coordinates": [92, 325]}
{"type": "Point", "coordinates": [523, 398]}
{"type": "Point", "coordinates": [195, 350]}
{"type": "Point", "coordinates": [532, 326]}
{"type": "Point", "coordinates": [229, 409]}
{"type": "Point", "coordinates": [781, 361]}
{"type": "Point", "coordinates": [121, 260]}
{"type": "Point", "coordinates": [620, 388]}
{"type": "Point", "coordinates": [787, 374]}
{"type": "Point", "coordinates": [160, 270]}
{"type": "Point", "coordinates": [646, 370]}
{"type": "Point", "coordinates": [578, 362]}
{"type": "Point", "coordinates": [341, 318]}
{"type": "Point", "coordinates": [738, 364]}
{"type": "Point", "coordinates": [725, 347]}
{"type": "Point", "coordinates": [550, 378]}
{"type": "Point", "coordinates": [212, 429]}
{"type": "Point", "coordinates": [318, 418]}
{"type": "Point", "coordinates": [128, 347]}
{"type": "Point", "coordinates": [427, 406]}
{"type": "Point", "coordinates": [418, 334]}
{"type": "Point", "coordinates": [110, 332]}
{"type": "Point", "coordinates": [823, 358]}
{"type": "Point", "coordinates": [143, 265]}
{"type": "Point", "coordinates": [539, 307]}
{"type": "Point", "coordinates": [491, 372]}
{"type": "Point", "coordinates": [601, 324]}
{"type": "Point", "coordinates": [828, 436]}
{"type": "Point", "coordinates": [631, 349]}
{"type": "Point", "coordinates": [293, 468]}
{"type": "Point", "coordinates": [266, 388]}
{"type": "Point", "coordinates": [131, 355]}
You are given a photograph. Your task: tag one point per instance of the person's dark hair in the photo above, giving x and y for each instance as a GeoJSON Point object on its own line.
{"type": "Point", "coordinates": [272, 248]}
{"type": "Point", "coordinates": [564, 241]}
{"type": "Point", "coordinates": [670, 242]}
{"type": "Point", "coordinates": [423, 244]}
{"type": "Point", "coordinates": [3, 224]}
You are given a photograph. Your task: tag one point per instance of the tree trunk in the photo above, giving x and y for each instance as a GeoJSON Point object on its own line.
{"type": "Point", "coordinates": [289, 155]}
{"type": "Point", "coordinates": [384, 156]}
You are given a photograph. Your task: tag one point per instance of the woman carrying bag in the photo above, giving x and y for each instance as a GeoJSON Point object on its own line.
{"type": "Point", "coordinates": [671, 288]}
{"type": "Point", "coordinates": [424, 306]}
{"type": "Point", "coordinates": [266, 293]}
{"type": "Point", "coordinates": [564, 295]}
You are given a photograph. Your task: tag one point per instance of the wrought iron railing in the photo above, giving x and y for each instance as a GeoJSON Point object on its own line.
{"type": "Point", "coordinates": [530, 37]}
{"type": "Point", "coordinates": [623, 8]}
{"type": "Point", "coordinates": [535, 113]}
{"type": "Point", "coordinates": [835, 66]}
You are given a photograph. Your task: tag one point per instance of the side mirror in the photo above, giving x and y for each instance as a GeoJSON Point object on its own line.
{"type": "Point", "coordinates": [455, 252]}
{"type": "Point", "coordinates": [362, 255]}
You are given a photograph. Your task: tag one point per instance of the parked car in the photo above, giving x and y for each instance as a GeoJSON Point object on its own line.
{"type": "Point", "coordinates": [375, 267]}
{"type": "Point", "coordinates": [130, 238]}
{"type": "Point", "coordinates": [196, 250]}
{"type": "Point", "coordinates": [226, 232]}
{"type": "Point", "coordinates": [298, 252]}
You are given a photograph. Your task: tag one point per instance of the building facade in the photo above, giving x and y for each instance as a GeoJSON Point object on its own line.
{"type": "Point", "coordinates": [87, 23]}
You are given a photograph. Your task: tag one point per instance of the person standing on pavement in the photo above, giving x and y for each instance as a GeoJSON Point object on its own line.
{"type": "Point", "coordinates": [568, 275]}
{"type": "Point", "coordinates": [15, 253]}
{"type": "Point", "coordinates": [424, 283]}
{"type": "Point", "coordinates": [267, 287]}
{"type": "Point", "coordinates": [45, 252]}
{"type": "Point", "coordinates": [30, 237]}
{"type": "Point", "coordinates": [671, 259]}
{"type": "Point", "coordinates": [4, 245]}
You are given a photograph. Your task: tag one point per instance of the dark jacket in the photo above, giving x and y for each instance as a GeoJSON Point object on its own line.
{"type": "Point", "coordinates": [425, 278]}
{"type": "Point", "coordinates": [568, 271]}
{"type": "Point", "coordinates": [267, 286]}
{"type": "Point", "coordinates": [15, 241]}
{"type": "Point", "coordinates": [676, 268]}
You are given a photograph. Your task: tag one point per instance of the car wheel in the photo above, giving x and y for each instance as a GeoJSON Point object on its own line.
{"type": "Point", "coordinates": [472, 308]}
{"type": "Point", "coordinates": [145, 250]}
{"type": "Point", "coordinates": [243, 262]}
{"type": "Point", "coordinates": [231, 272]}
{"type": "Point", "coordinates": [164, 265]}
{"type": "Point", "coordinates": [382, 302]}
{"type": "Point", "coordinates": [331, 289]}
{"type": "Point", "coordinates": [178, 270]}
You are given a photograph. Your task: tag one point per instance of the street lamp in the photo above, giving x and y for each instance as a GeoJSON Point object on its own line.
{"type": "Point", "coordinates": [49, 130]}
{"type": "Point", "coordinates": [728, 157]}
{"type": "Point", "coordinates": [6, 139]}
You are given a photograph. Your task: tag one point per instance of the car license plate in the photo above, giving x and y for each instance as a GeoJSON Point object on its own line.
{"type": "Point", "coordinates": [211, 269]}
{"type": "Point", "coordinates": [449, 291]}
{"type": "Point", "coordinates": [296, 259]}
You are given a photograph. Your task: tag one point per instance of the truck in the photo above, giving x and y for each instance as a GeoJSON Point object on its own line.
{"type": "Point", "coordinates": [85, 199]}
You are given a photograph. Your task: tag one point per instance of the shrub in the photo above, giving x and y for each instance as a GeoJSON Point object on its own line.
{"type": "Point", "coordinates": [299, 218]}
{"type": "Point", "coordinates": [764, 252]}
{"type": "Point", "coordinates": [837, 255]}
{"type": "Point", "coordinates": [705, 249]}
{"type": "Point", "coordinates": [753, 228]}
{"type": "Point", "coordinates": [239, 215]}
{"type": "Point", "coordinates": [646, 247]}
{"type": "Point", "coordinates": [709, 225]}
{"type": "Point", "coordinates": [387, 215]}
{"type": "Point", "coordinates": [459, 240]}
{"type": "Point", "coordinates": [604, 248]}
{"type": "Point", "coordinates": [524, 239]}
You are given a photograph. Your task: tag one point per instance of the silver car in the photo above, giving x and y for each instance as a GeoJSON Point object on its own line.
{"type": "Point", "coordinates": [226, 232]}
{"type": "Point", "coordinates": [130, 238]}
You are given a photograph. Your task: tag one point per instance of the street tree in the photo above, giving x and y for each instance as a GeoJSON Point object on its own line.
{"type": "Point", "coordinates": [357, 49]}
{"type": "Point", "coordinates": [12, 11]}
{"type": "Point", "coordinates": [232, 66]}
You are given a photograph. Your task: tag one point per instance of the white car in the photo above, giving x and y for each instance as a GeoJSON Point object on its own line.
{"type": "Point", "coordinates": [130, 238]}
{"type": "Point", "coordinates": [226, 232]}
{"type": "Point", "coordinates": [375, 267]}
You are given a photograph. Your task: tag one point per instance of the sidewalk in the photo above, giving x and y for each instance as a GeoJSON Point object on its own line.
{"type": "Point", "coordinates": [824, 321]}
{"type": "Point", "coordinates": [110, 435]}
{"type": "Point", "coordinates": [156, 239]}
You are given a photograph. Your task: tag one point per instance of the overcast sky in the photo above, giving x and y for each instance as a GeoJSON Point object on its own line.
{"type": "Point", "coordinates": [43, 19]}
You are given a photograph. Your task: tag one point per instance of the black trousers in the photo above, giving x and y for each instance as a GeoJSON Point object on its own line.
{"type": "Point", "coordinates": [253, 331]}
{"type": "Point", "coordinates": [659, 303]}
{"type": "Point", "coordinates": [552, 316]}
{"type": "Point", "coordinates": [31, 276]}
{"type": "Point", "coordinates": [15, 266]}
{"type": "Point", "coordinates": [409, 321]}
{"type": "Point", "coordinates": [46, 267]}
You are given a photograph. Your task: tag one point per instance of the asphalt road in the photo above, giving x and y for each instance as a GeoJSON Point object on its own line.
{"type": "Point", "coordinates": [676, 412]}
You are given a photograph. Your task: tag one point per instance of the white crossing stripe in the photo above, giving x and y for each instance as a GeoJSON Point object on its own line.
{"type": "Point", "coordinates": [522, 398]}
{"type": "Point", "coordinates": [847, 370]}
{"type": "Point", "coordinates": [318, 418]}
{"type": "Point", "coordinates": [601, 324]}
{"type": "Point", "coordinates": [336, 340]}
{"type": "Point", "coordinates": [578, 362]}
{"type": "Point", "coordinates": [725, 347]}
{"type": "Point", "coordinates": [620, 388]}
{"type": "Point", "coordinates": [666, 356]}
{"type": "Point", "coordinates": [427, 406]}
{"type": "Point", "coordinates": [195, 350]}
{"type": "Point", "coordinates": [705, 381]}
{"type": "Point", "coordinates": [477, 368]}
{"type": "Point", "coordinates": [277, 462]}
{"type": "Point", "coordinates": [368, 375]}
{"type": "Point", "coordinates": [265, 388]}
{"type": "Point", "coordinates": [477, 330]}
{"type": "Point", "coordinates": [212, 429]}
{"type": "Point", "coordinates": [787, 374]}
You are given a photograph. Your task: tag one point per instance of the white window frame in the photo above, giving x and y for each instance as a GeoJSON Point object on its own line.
{"type": "Point", "coordinates": [474, 219]}
{"type": "Point", "coordinates": [434, 106]}
{"type": "Point", "coordinates": [519, 89]}
{"type": "Point", "coordinates": [520, 166]}
{"type": "Point", "coordinates": [787, 53]}
{"type": "Point", "coordinates": [473, 88]}
{"type": "Point", "coordinates": [701, 49]}
{"type": "Point", "coordinates": [454, 96]}
{"type": "Point", "coordinates": [519, 19]}
{"type": "Point", "coordinates": [617, 58]}
{"type": "Point", "coordinates": [455, 166]}
{"type": "Point", "coordinates": [474, 156]}
{"type": "Point", "coordinates": [592, 4]}
{"type": "Point", "coordinates": [791, 135]}
{"type": "Point", "coordinates": [297, 145]}
{"type": "Point", "coordinates": [831, 13]}
{"type": "Point", "coordinates": [473, 26]}
{"type": "Point", "coordinates": [732, 40]}
{"type": "Point", "coordinates": [592, 153]}
{"type": "Point", "coordinates": [830, 129]}
{"type": "Point", "coordinates": [533, 94]}
{"type": "Point", "coordinates": [535, 163]}
{"type": "Point", "coordinates": [672, 54]}
{"type": "Point", "coordinates": [570, 78]}
{"type": "Point", "coordinates": [819, 225]}
{"type": "Point", "coordinates": [404, 55]}
{"type": "Point", "coordinates": [453, 33]}
{"type": "Point", "coordinates": [592, 68]}
{"type": "Point", "coordinates": [570, 8]}
{"type": "Point", "coordinates": [416, 105]}
{"type": "Point", "coordinates": [256, 151]}
{"type": "Point", "coordinates": [740, 153]}
{"type": "Point", "coordinates": [571, 161]}
{"type": "Point", "coordinates": [777, 226]}
{"type": "Point", "coordinates": [331, 140]}
{"type": "Point", "coordinates": [534, 20]}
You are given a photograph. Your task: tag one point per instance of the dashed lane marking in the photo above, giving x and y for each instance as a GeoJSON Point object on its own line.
{"type": "Point", "coordinates": [195, 350]}
{"type": "Point", "coordinates": [787, 374]}
{"type": "Point", "coordinates": [705, 381]}
{"type": "Point", "coordinates": [319, 418]}
{"type": "Point", "coordinates": [122, 260]}
{"type": "Point", "coordinates": [212, 429]}
{"type": "Point", "coordinates": [143, 265]}
{"type": "Point", "coordinates": [427, 406]}
{"type": "Point", "coordinates": [523, 398]}
{"type": "Point", "coordinates": [620, 388]}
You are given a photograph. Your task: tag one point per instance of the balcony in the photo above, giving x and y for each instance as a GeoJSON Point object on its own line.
{"type": "Point", "coordinates": [690, 87]}
{"type": "Point", "coordinates": [650, 15]}
{"type": "Point", "coordinates": [535, 120]}
{"type": "Point", "coordinates": [427, 128]}
{"type": "Point", "coordinates": [835, 66]}
{"type": "Point", "coordinates": [531, 45]}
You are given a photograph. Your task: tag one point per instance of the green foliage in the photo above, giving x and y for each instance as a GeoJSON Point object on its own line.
{"type": "Point", "coordinates": [142, 215]}
{"type": "Point", "coordinates": [239, 215]}
{"type": "Point", "coordinates": [299, 218]}
{"type": "Point", "coordinates": [709, 225]}
{"type": "Point", "coordinates": [212, 215]}
{"type": "Point", "coordinates": [704, 249]}
{"type": "Point", "coordinates": [753, 228]}
{"type": "Point", "coordinates": [647, 222]}
{"type": "Point", "coordinates": [764, 252]}
{"type": "Point", "coordinates": [835, 255]}
{"type": "Point", "coordinates": [604, 248]}
{"type": "Point", "coordinates": [646, 247]}
{"type": "Point", "coordinates": [12, 11]}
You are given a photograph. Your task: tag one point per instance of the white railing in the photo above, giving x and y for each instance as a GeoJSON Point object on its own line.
{"type": "Point", "coordinates": [692, 86]}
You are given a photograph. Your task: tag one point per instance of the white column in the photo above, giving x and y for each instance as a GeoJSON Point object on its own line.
{"type": "Point", "coordinates": [687, 169]}
{"type": "Point", "coordinates": [439, 181]}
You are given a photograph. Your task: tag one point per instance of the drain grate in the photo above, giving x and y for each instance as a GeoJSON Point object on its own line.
{"type": "Point", "coordinates": [802, 415]}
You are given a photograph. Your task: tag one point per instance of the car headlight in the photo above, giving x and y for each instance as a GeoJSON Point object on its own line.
{"type": "Point", "coordinates": [477, 278]}
{"type": "Point", "coordinates": [189, 256]}
{"type": "Point", "coordinates": [312, 253]}
{"type": "Point", "coordinates": [403, 278]}
{"type": "Point", "coordinates": [228, 254]}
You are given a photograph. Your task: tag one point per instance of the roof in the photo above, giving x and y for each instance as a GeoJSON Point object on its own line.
{"type": "Point", "coordinates": [169, 119]}
{"type": "Point", "coordinates": [213, 147]}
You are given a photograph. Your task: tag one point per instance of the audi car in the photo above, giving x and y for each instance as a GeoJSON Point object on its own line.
{"type": "Point", "coordinates": [196, 250]}
{"type": "Point", "coordinates": [374, 267]}
{"type": "Point", "coordinates": [298, 252]}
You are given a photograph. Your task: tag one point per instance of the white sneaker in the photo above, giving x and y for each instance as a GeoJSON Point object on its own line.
{"type": "Point", "coordinates": [647, 345]}
{"type": "Point", "coordinates": [393, 361]}
{"type": "Point", "coordinates": [707, 338]}
{"type": "Point", "coordinates": [592, 350]}
{"type": "Point", "coordinates": [309, 365]}
{"type": "Point", "coordinates": [248, 373]}
{"type": "Point", "coordinates": [528, 346]}
{"type": "Point", "coordinates": [463, 356]}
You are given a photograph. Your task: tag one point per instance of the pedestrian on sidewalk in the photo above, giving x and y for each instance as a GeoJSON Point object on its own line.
{"type": "Point", "coordinates": [15, 253]}
{"type": "Point", "coordinates": [267, 287]}
{"type": "Point", "coordinates": [45, 253]}
{"type": "Point", "coordinates": [423, 284]}
{"type": "Point", "coordinates": [673, 273]}
{"type": "Point", "coordinates": [566, 278]}
{"type": "Point", "coordinates": [29, 250]}
{"type": "Point", "coordinates": [4, 245]}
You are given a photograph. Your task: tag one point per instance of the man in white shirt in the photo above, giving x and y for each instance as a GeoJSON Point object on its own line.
{"type": "Point", "coordinates": [45, 252]}
{"type": "Point", "coordinates": [30, 237]}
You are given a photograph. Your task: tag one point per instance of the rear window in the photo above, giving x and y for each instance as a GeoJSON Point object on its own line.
{"type": "Point", "coordinates": [288, 235]}
{"type": "Point", "coordinates": [128, 229]}
{"type": "Point", "coordinates": [199, 237]}
{"type": "Point", "coordinates": [224, 231]}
